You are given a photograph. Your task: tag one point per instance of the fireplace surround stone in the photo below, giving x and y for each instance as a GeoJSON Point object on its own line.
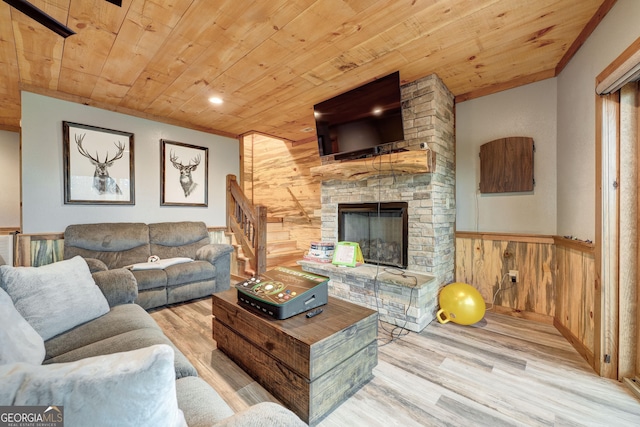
{"type": "Point", "coordinates": [427, 110]}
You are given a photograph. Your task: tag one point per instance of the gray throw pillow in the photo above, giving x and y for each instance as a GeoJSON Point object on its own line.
{"type": "Point", "coordinates": [19, 342]}
{"type": "Point", "coordinates": [55, 297]}
{"type": "Point", "coordinates": [134, 388]}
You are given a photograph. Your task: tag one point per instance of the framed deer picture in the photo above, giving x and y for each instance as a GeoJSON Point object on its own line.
{"type": "Point", "coordinates": [185, 171]}
{"type": "Point", "coordinates": [98, 165]}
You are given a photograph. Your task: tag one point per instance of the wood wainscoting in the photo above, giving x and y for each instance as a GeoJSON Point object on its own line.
{"type": "Point", "coordinates": [575, 295]}
{"type": "Point", "coordinates": [556, 280]}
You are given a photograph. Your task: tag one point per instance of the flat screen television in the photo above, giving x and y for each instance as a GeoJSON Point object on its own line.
{"type": "Point", "coordinates": [361, 122]}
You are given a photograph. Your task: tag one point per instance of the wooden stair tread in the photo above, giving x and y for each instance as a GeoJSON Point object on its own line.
{"type": "Point", "coordinates": [277, 236]}
{"type": "Point", "coordinates": [285, 259]}
{"type": "Point", "coordinates": [278, 246]}
{"type": "Point", "coordinates": [275, 226]}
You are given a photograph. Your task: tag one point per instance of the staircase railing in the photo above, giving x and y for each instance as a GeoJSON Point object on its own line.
{"type": "Point", "coordinates": [249, 224]}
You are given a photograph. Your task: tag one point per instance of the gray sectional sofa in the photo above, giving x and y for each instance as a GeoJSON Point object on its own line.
{"type": "Point", "coordinates": [116, 343]}
{"type": "Point", "coordinates": [107, 246]}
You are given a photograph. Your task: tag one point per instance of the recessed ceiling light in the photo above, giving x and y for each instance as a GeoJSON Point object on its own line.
{"type": "Point", "coordinates": [215, 100]}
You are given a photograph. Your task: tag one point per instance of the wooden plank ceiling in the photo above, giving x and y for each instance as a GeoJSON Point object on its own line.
{"type": "Point", "coordinates": [271, 61]}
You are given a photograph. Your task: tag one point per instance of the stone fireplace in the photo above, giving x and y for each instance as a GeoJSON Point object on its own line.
{"type": "Point", "coordinates": [427, 110]}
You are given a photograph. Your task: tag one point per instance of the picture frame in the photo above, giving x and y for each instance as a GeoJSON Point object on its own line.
{"type": "Point", "coordinates": [184, 184]}
{"type": "Point", "coordinates": [98, 165]}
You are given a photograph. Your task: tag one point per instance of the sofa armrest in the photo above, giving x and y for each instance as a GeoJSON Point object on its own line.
{"type": "Point", "coordinates": [218, 254]}
{"type": "Point", "coordinates": [119, 286]}
{"type": "Point", "coordinates": [96, 265]}
{"type": "Point", "coordinates": [212, 252]}
{"type": "Point", "coordinates": [262, 414]}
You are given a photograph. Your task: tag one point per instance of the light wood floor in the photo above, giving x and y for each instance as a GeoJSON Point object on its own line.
{"type": "Point", "coordinates": [501, 372]}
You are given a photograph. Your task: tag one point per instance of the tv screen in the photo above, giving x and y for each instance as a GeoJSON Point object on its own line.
{"type": "Point", "coordinates": [356, 123]}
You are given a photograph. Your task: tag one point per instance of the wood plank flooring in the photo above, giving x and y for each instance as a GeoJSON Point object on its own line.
{"type": "Point", "coordinates": [502, 371]}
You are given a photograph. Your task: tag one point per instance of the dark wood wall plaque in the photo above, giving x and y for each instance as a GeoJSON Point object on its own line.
{"type": "Point", "coordinates": [506, 165]}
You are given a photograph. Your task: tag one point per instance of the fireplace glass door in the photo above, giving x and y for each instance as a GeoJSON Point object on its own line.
{"type": "Point", "coordinates": [379, 228]}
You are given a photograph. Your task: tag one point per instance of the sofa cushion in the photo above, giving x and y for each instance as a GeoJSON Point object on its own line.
{"type": "Point", "coordinates": [135, 388]}
{"type": "Point", "coordinates": [116, 244]}
{"type": "Point", "coordinates": [152, 298]}
{"type": "Point", "coordinates": [191, 291]}
{"type": "Point", "coordinates": [181, 274]}
{"type": "Point", "coordinates": [20, 342]}
{"type": "Point", "coordinates": [200, 403]}
{"type": "Point", "coordinates": [150, 279]}
{"type": "Point", "coordinates": [177, 239]}
{"type": "Point", "coordinates": [126, 341]}
{"type": "Point", "coordinates": [55, 297]}
{"type": "Point", "coordinates": [263, 414]}
{"type": "Point", "coordinates": [120, 319]}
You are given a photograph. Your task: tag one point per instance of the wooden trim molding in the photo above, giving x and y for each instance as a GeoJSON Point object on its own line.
{"type": "Point", "coordinates": [575, 342]}
{"type": "Point", "coordinates": [9, 230]}
{"type": "Point", "coordinates": [619, 67]}
{"type": "Point", "coordinates": [578, 245]}
{"type": "Point", "coordinates": [509, 237]}
{"type": "Point", "coordinates": [521, 314]}
{"type": "Point", "coordinates": [606, 251]}
{"type": "Point", "coordinates": [595, 20]}
{"type": "Point", "coordinates": [489, 90]}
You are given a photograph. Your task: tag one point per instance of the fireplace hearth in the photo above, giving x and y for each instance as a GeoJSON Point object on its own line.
{"type": "Point", "coordinates": [379, 228]}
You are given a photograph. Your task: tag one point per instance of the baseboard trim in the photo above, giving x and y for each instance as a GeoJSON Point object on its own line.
{"type": "Point", "coordinates": [527, 315]}
{"type": "Point", "coordinates": [575, 342]}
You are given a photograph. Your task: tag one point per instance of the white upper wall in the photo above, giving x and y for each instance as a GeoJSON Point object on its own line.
{"type": "Point", "coordinates": [576, 117]}
{"type": "Point", "coordinates": [565, 105]}
{"type": "Point", "coordinates": [42, 173]}
{"type": "Point", "coordinates": [524, 111]}
{"type": "Point", "coordinates": [10, 179]}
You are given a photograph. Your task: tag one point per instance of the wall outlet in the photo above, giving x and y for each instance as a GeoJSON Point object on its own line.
{"type": "Point", "coordinates": [514, 276]}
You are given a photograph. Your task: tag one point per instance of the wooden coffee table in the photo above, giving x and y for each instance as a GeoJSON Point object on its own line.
{"type": "Point", "coordinates": [311, 365]}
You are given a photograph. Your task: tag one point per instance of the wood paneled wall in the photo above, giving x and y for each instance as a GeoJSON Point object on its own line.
{"type": "Point", "coordinates": [575, 295]}
{"type": "Point", "coordinates": [276, 174]}
{"type": "Point", "coordinates": [484, 260]}
{"type": "Point", "coordinates": [556, 284]}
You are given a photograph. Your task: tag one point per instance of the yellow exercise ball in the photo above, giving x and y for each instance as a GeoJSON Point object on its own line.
{"type": "Point", "coordinates": [460, 303]}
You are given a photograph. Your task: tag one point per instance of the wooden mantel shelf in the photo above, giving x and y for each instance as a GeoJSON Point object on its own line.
{"type": "Point", "coordinates": [404, 162]}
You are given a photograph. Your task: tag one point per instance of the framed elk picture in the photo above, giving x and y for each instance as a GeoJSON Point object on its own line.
{"type": "Point", "coordinates": [98, 165]}
{"type": "Point", "coordinates": [185, 172]}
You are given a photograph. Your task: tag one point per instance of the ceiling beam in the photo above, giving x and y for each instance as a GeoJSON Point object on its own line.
{"type": "Point", "coordinates": [40, 16]}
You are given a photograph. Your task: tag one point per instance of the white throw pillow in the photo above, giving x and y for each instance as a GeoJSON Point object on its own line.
{"type": "Point", "coordinates": [19, 342]}
{"type": "Point", "coordinates": [159, 264]}
{"type": "Point", "coordinates": [55, 297]}
{"type": "Point", "coordinates": [134, 388]}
